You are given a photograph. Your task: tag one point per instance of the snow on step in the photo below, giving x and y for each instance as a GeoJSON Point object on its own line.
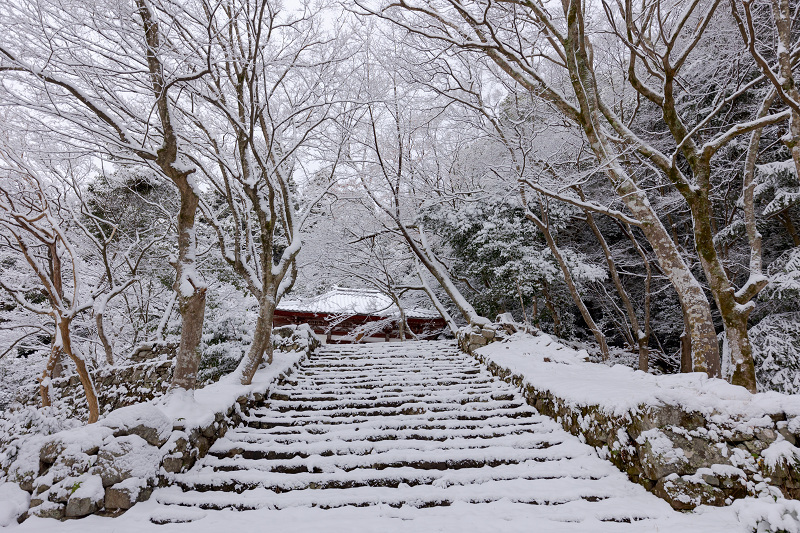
{"type": "Point", "coordinates": [414, 424]}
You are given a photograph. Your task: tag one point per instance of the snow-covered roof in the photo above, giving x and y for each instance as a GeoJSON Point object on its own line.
{"type": "Point", "coordinates": [345, 301]}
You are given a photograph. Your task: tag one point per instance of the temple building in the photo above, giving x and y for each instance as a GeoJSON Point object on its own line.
{"type": "Point", "coordinates": [344, 315]}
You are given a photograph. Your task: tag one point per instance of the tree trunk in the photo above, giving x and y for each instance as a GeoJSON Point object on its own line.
{"type": "Point", "coordinates": [101, 333]}
{"type": "Point", "coordinates": [83, 372]}
{"type": "Point", "coordinates": [686, 352]}
{"type": "Point", "coordinates": [734, 314]}
{"type": "Point", "coordinates": [189, 286]}
{"type": "Point", "coordinates": [426, 258]}
{"type": "Point", "coordinates": [522, 306]}
{"type": "Point", "coordinates": [786, 219]}
{"type": "Point", "coordinates": [636, 331]}
{"type": "Point", "coordinates": [744, 370]}
{"type": "Point", "coordinates": [694, 303]}
{"type": "Point", "coordinates": [644, 342]}
{"type": "Point", "coordinates": [45, 386]}
{"type": "Point", "coordinates": [436, 302]}
{"type": "Point", "coordinates": [191, 293]}
{"type": "Point", "coordinates": [783, 19]}
{"type": "Point", "coordinates": [401, 327]}
{"type": "Point", "coordinates": [548, 302]}
{"type": "Point", "coordinates": [587, 317]}
{"type": "Point", "coordinates": [262, 340]}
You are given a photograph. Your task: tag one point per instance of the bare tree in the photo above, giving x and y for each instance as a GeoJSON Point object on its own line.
{"type": "Point", "coordinates": [98, 85]}
{"type": "Point", "coordinates": [32, 218]}
{"type": "Point", "coordinates": [543, 225]}
{"type": "Point", "coordinates": [254, 114]}
{"type": "Point", "coordinates": [546, 50]}
{"type": "Point", "coordinates": [385, 166]}
{"type": "Point", "coordinates": [660, 47]}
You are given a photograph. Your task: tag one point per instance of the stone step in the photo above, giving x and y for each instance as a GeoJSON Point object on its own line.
{"type": "Point", "coordinates": [384, 408]}
{"type": "Point", "coordinates": [349, 365]}
{"type": "Point", "coordinates": [226, 447]}
{"type": "Point", "coordinates": [392, 359]}
{"type": "Point", "coordinates": [280, 408]}
{"type": "Point", "coordinates": [390, 426]}
{"type": "Point", "coordinates": [453, 459]}
{"type": "Point", "coordinates": [300, 435]}
{"type": "Point", "coordinates": [377, 384]}
{"type": "Point", "coordinates": [537, 491]}
{"type": "Point", "coordinates": [373, 363]}
{"type": "Point", "coordinates": [405, 377]}
{"type": "Point", "coordinates": [288, 395]}
{"type": "Point", "coordinates": [336, 364]}
{"type": "Point", "coordinates": [324, 404]}
{"type": "Point", "coordinates": [314, 364]}
{"type": "Point", "coordinates": [416, 368]}
{"type": "Point", "coordinates": [465, 377]}
{"type": "Point", "coordinates": [414, 424]}
{"type": "Point", "coordinates": [208, 479]}
{"type": "Point", "coordinates": [390, 389]}
{"type": "Point", "coordinates": [264, 421]}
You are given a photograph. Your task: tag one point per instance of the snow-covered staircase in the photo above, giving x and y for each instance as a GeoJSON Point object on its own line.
{"type": "Point", "coordinates": [409, 424]}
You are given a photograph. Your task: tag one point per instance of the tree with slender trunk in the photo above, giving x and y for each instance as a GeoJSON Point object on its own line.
{"type": "Point", "coordinates": [639, 337]}
{"type": "Point", "coordinates": [31, 220]}
{"type": "Point", "coordinates": [654, 70]}
{"type": "Point", "coordinates": [387, 160]}
{"type": "Point", "coordinates": [542, 223]}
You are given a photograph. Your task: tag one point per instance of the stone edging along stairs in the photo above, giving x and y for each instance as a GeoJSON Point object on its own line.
{"type": "Point", "coordinates": [418, 424]}
{"type": "Point", "coordinates": [683, 455]}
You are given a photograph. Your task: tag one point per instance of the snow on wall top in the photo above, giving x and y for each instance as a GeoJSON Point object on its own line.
{"type": "Point", "coordinates": [345, 301]}
{"type": "Point", "coordinates": [550, 365]}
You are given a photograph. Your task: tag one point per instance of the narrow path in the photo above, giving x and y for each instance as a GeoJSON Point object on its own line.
{"type": "Point", "coordinates": [416, 424]}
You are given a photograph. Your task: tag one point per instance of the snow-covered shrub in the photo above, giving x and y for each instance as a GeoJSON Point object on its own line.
{"type": "Point", "coordinates": [227, 332]}
{"type": "Point", "coordinates": [776, 347]}
{"type": "Point", "coordinates": [18, 378]}
{"type": "Point", "coordinates": [768, 516]}
{"type": "Point", "coordinates": [294, 338]}
{"type": "Point", "coordinates": [777, 187]}
{"type": "Point", "coordinates": [784, 274]}
{"type": "Point", "coordinates": [505, 258]}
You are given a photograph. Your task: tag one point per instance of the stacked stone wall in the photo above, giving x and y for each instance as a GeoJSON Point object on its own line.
{"type": "Point", "coordinates": [685, 457]}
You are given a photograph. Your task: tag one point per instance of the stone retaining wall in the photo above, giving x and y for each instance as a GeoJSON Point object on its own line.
{"type": "Point", "coordinates": [679, 455]}
{"type": "Point", "coordinates": [105, 468]}
{"type": "Point", "coordinates": [144, 375]}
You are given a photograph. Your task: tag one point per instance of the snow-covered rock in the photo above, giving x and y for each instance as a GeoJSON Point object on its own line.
{"type": "Point", "coordinates": [144, 420]}
{"type": "Point", "coordinates": [86, 498]}
{"type": "Point", "coordinates": [116, 462]}
{"type": "Point", "coordinates": [126, 457]}
{"type": "Point", "coordinates": [124, 494]}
